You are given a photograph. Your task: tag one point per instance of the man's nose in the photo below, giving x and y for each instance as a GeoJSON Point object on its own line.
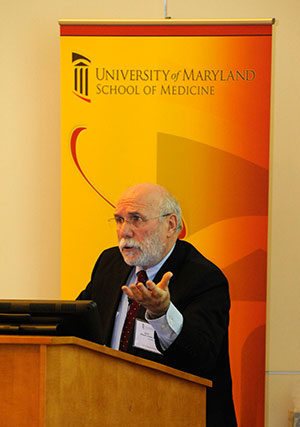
{"type": "Point", "coordinates": [125, 229]}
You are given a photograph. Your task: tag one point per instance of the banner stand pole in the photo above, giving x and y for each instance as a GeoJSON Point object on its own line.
{"type": "Point", "coordinates": [166, 10]}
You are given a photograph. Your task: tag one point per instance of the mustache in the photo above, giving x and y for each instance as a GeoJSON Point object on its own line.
{"type": "Point", "coordinates": [129, 243]}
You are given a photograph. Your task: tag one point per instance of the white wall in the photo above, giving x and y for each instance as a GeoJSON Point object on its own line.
{"type": "Point", "coordinates": [30, 159]}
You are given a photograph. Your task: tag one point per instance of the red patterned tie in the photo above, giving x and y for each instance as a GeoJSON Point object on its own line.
{"type": "Point", "coordinates": [131, 315]}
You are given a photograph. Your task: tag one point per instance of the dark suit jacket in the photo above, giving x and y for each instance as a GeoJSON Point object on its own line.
{"type": "Point", "coordinates": [199, 290]}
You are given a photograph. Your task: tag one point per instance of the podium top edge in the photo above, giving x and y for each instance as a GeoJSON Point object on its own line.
{"type": "Point", "coordinates": [40, 340]}
{"type": "Point", "coordinates": [168, 21]}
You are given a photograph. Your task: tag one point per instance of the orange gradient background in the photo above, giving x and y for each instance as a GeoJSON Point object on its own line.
{"type": "Point", "coordinates": [210, 151]}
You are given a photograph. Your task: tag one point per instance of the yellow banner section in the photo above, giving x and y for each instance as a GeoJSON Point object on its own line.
{"type": "Point", "coordinates": [190, 112]}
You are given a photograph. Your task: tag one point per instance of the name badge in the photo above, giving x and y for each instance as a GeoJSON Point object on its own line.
{"type": "Point", "coordinates": [144, 336]}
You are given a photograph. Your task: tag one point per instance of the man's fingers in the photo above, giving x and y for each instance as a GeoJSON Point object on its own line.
{"type": "Point", "coordinates": [142, 294]}
{"type": "Point", "coordinates": [156, 289]}
{"type": "Point", "coordinates": [165, 280]}
{"type": "Point", "coordinates": [131, 291]}
{"type": "Point", "coordinates": [127, 291]}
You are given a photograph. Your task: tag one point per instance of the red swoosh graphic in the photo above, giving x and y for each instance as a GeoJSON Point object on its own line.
{"type": "Point", "coordinates": [74, 138]}
{"type": "Point", "coordinates": [81, 97]}
{"type": "Point", "coordinates": [183, 231]}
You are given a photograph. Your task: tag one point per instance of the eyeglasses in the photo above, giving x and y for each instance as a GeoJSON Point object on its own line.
{"type": "Point", "coordinates": [136, 221]}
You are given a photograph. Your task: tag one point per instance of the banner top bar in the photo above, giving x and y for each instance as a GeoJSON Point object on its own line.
{"type": "Point", "coordinates": [261, 21]}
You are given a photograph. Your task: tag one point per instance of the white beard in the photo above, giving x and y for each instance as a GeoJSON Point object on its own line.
{"type": "Point", "coordinates": [150, 252]}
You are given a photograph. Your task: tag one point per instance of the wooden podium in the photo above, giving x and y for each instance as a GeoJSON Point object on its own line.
{"type": "Point", "coordinates": [70, 382]}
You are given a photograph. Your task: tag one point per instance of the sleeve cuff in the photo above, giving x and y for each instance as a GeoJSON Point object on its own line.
{"type": "Point", "coordinates": [168, 326]}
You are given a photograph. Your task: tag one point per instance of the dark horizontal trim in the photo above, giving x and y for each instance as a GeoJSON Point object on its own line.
{"type": "Point", "coordinates": [165, 30]}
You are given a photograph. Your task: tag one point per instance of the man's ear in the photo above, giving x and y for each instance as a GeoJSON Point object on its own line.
{"type": "Point", "coordinates": [172, 224]}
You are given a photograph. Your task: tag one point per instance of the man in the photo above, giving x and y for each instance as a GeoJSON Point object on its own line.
{"type": "Point", "coordinates": [185, 300]}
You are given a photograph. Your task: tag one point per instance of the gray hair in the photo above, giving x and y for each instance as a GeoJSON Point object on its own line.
{"type": "Point", "coordinates": [170, 205]}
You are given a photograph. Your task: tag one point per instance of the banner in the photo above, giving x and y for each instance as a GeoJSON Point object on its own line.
{"type": "Point", "coordinates": [187, 105]}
